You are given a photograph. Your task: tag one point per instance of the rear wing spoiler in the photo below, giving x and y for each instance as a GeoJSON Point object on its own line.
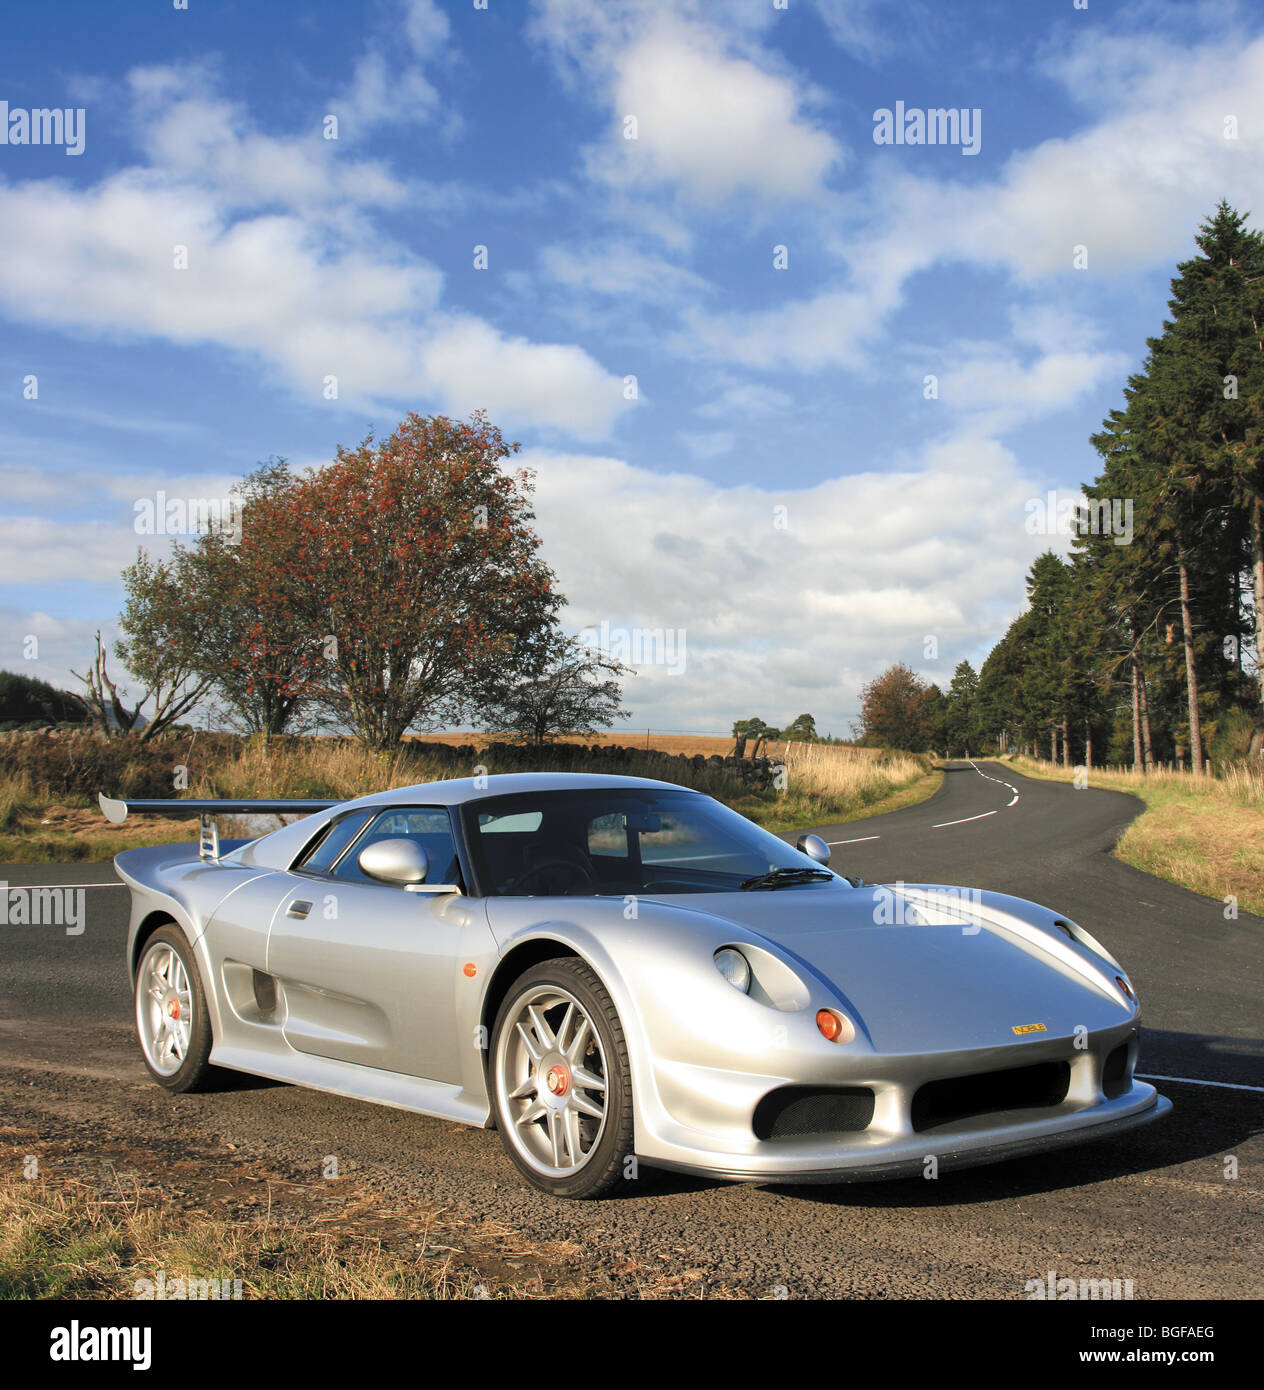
{"type": "Point", "coordinates": [116, 812]}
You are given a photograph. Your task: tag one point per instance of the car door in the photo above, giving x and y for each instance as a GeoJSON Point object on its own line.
{"type": "Point", "coordinates": [370, 971]}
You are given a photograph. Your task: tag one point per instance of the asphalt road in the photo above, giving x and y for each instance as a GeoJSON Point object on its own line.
{"type": "Point", "coordinates": [1156, 1206]}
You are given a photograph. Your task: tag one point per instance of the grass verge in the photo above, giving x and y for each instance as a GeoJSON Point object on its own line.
{"type": "Point", "coordinates": [139, 1224]}
{"type": "Point", "coordinates": [1203, 833]}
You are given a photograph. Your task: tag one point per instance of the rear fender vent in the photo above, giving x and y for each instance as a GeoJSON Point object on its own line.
{"type": "Point", "coordinates": [265, 987]}
{"type": "Point", "coordinates": [804, 1112]}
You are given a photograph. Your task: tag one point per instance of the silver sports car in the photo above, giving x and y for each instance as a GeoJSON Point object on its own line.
{"type": "Point", "coordinates": [611, 969]}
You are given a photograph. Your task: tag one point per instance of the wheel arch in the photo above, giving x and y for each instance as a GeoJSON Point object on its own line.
{"type": "Point", "coordinates": [514, 963]}
{"type": "Point", "coordinates": [149, 924]}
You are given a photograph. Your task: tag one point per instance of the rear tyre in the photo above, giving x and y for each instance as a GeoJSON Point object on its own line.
{"type": "Point", "coordinates": [560, 1081]}
{"type": "Point", "coordinates": [172, 1020]}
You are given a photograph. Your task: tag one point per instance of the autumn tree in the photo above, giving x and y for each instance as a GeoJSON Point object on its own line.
{"type": "Point", "coordinates": [895, 710]}
{"type": "Point", "coordinates": [419, 574]}
{"type": "Point", "coordinates": [258, 643]}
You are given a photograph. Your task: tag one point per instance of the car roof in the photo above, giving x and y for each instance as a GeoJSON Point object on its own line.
{"type": "Point", "coordinates": [456, 791]}
{"type": "Point", "coordinates": [278, 849]}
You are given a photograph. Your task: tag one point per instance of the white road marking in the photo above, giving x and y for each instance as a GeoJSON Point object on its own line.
{"type": "Point", "coordinates": [1197, 1081]}
{"type": "Point", "coordinates": [943, 824]}
{"type": "Point", "coordinates": [962, 821]}
{"type": "Point", "coordinates": [832, 843]}
{"type": "Point", "coordinates": [997, 780]}
{"type": "Point", "coordinates": [66, 885]}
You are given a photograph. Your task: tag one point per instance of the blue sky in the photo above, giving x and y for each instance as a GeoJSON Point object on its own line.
{"type": "Point", "coordinates": [780, 493]}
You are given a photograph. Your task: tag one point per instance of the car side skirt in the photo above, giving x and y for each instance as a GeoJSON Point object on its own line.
{"type": "Point", "coordinates": [440, 1099]}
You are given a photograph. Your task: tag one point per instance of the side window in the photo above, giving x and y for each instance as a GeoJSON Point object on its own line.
{"type": "Point", "coordinates": [431, 830]}
{"type": "Point", "coordinates": [516, 823]}
{"type": "Point", "coordinates": [608, 836]}
{"type": "Point", "coordinates": [331, 844]}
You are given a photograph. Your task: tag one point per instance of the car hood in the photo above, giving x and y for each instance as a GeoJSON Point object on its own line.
{"type": "Point", "coordinates": [924, 967]}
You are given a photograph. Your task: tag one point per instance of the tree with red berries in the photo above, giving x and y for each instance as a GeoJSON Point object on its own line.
{"type": "Point", "coordinates": [415, 565]}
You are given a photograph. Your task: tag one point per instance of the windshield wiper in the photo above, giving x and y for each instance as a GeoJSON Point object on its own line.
{"type": "Point", "coordinates": [778, 878]}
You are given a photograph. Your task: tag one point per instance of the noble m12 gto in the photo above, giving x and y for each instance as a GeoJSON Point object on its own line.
{"type": "Point", "coordinates": [603, 967]}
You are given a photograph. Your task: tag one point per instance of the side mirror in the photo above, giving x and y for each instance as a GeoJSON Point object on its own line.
{"type": "Point", "coordinates": [814, 847]}
{"type": "Point", "coordinates": [401, 862]}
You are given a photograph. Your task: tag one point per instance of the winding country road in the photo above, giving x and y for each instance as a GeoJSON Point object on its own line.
{"type": "Point", "coordinates": [1156, 1206]}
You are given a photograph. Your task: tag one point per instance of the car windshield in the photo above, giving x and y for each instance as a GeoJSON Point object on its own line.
{"type": "Point", "coordinates": [617, 841]}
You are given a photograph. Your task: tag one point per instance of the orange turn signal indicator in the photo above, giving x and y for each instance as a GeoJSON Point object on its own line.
{"type": "Point", "coordinates": [469, 970]}
{"type": "Point", "coordinates": [830, 1024]}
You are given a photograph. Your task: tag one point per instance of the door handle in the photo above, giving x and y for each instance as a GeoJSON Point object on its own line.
{"type": "Point", "coordinates": [298, 908]}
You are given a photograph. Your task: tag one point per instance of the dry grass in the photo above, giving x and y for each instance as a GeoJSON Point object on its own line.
{"type": "Point", "coordinates": [1205, 833]}
{"type": "Point", "coordinates": [68, 1241]}
{"type": "Point", "coordinates": [826, 784]}
{"type": "Point", "coordinates": [100, 1232]}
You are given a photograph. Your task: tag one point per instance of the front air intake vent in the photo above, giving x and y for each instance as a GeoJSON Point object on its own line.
{"type": "Point", "coordinates": [804, 1112]}
{"type": "Point", "coordinates": [1115, 1078]}
{"type": "Point", "coordinates": [992, 1092]}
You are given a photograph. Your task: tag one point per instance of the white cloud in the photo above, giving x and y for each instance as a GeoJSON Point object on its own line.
{"type": "Point", "coordinates": [782, 619]}
{"type": "Point", "coordinates": [544, 384]}
{"type": "Point", "coordinates": [618, 270]}
{"type": "Point", "coordinates": [64, 644]}
{"type": "Point", "coordinates": [426, 25]}
{"type": "Point", "coordinates": [717, 115]}
{"type": "Point", "coordinates": [828, 329]}
{"type": "Point", "coordinates": [746, 399]}
{"type": "Point", "coordinates": [708, 444]}
{"type": "Point", "coordinates": [193, 136]}
{"type": "Point", "coordinates": [853, 25]}
{"type": "Point", "coordinates": [380, 94]}
{"type": "Point", "coordinates": [713, 125]}
{"type": "Point", "coordinates": [45, 551]}
{"type": "Point", "coordinates": [1007, 391]}
{"type": "Point", "coordinates": [1130, 187]}
{"type": "Point", "coordinates": [305, 285]}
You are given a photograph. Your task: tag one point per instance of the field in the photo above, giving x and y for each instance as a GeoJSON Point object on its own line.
{"type": "Point", "coordinates": [1205, 833]}
{"type": "Point", "coordinates": [709, 745]}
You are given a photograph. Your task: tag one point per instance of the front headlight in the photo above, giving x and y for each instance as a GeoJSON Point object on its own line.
{"type": "Point", "coordinates": [735, 968]}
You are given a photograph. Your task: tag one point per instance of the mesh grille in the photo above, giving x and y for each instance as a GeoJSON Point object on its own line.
{"type": "Point", "coordinates": [961, 1097]}
{"type": "Point", "coordinates": [799, 1112]}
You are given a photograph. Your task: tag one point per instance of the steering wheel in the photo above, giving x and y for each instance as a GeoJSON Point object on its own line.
{"type": "Point", "coordinates": [581, 871]}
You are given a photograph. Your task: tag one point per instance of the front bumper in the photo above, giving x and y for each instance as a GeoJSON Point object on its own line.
{"type": "Point", "coordinates": [953, 1153]}
{"type": "Point", "coordinates": [701, 1117]}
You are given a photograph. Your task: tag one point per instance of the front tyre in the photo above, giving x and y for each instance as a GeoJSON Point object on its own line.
{"type": "Point", "coordinates": [172, 1021]}
{"type": "Point", "coordinates": [560, 1081]}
